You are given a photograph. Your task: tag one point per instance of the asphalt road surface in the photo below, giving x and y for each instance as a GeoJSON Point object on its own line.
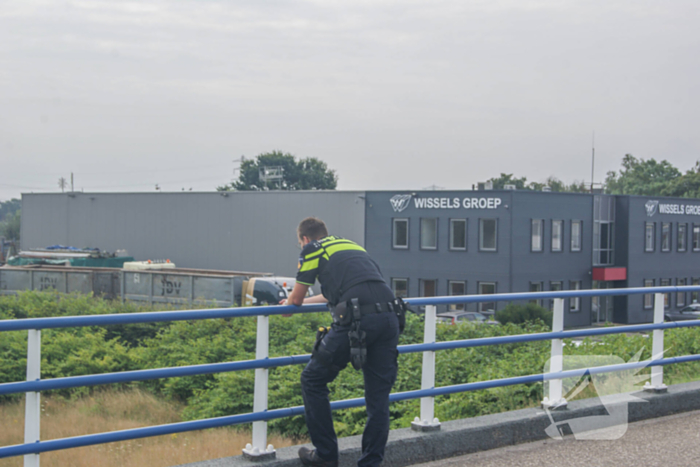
{"type": "Point", "coordinates": [664, 442]}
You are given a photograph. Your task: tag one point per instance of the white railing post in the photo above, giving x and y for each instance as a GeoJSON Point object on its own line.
{"type": "Point", "coordinates": [657, 348]}
{"type": "Point", "coordinates": [32, 410]}
{"type": "Point", "coordinates": [259, 449]}
{"type": "Point", "coordinates": [556, 360]}
{"type": "Point", "coordinates": [427, 420]}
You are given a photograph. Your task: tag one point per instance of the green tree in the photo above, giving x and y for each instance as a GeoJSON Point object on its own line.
{"type": "Point", "coordinates": [9, 207]}
{"type": "Point", "coordinates": [553, 183]}
{"type": "Point", "coordinates": [303, 174]}
{"type": "Point", "coordinates": [641, 177]}
{"type": "Point", "coordinates": [507, 179]}
{"type": "Point", "coordinates": [685, 186]}
{"type": "Point", "coordinates": [9, 227]}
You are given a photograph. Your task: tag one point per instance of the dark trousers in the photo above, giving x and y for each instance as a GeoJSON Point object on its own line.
{"type": "Point", "coordinates": [379, 373]}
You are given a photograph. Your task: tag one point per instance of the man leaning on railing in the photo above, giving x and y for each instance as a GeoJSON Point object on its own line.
{"type": "Point", "coordinates": [367, 320]}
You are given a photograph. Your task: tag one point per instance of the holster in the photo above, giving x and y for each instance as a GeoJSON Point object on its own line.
{"type": "Point", "coordinates": [320, 334]}
{"type": "Point", "coordinates": [321, 354]}
{"type": "Point", "coordinates": [400, 310]}
{"type": "Point", "coordinates": [358, 344]}
{"type": "Point", "coordinates": [341, 314]}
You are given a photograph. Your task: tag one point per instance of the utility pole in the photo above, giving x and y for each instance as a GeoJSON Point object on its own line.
{"type": "Point", "coordinates": [240, 163]}
{"type": "Point", "coordinates": [71, 182]}
{"type": "Point", "coordinates": [592, 159]}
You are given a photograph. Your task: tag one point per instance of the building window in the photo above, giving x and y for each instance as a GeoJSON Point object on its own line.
{"type": "Point", "coordinates": [400, 234]}
{"type": "Point", "coordinates": [557, 235]}
{"type": "Point", "coordinates": [456, 288]}
{"type": "Point", "coordinates": [536, 233]}
{"type": "Point", "coordinates": [428, 234]}
{"type": "Point", "coordinates": [458, 234]}
{"type": "Point", "coordinates": [648, 297]}
{"type": "Point", "coordinates": [428, 287]}
{"type": "Point", "coordinates": [486, 288]}
{"type": "Point", "coordinates": [694, 295]}
{"type": "Point", "coordinates": [536, 287]}
{"type": "Point", "coordinates": [575, 302]}
{"type": "Point", "coordinates": [649, 236]}
{"type": "Point", "coordinates": [665, 236]}
{"type": "Point", "coordinates": [696, 237]}
{"type": "Point", "coordinates": [399, 286]}
{"type": "Point", "coordinates": [667, 296]}
{"type": "Point", "coordinates": [680, 296]}
{"type": "Point", "coordinates": [603, 230]}
{"type": "Point", "coordinates": [554, 287]}
{"type": "Point", "coordinates": [575, 235]}
{"type": "Point", "coordinates": [681, 239]}
{"type": "Point", "coordinates": [488, 232]}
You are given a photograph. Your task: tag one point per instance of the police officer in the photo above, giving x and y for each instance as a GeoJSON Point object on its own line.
{"type": "Point", "coordinates": [353, 286]}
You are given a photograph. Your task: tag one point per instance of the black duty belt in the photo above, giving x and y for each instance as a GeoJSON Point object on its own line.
{"type": "Point", "coordinates": [342, 313]}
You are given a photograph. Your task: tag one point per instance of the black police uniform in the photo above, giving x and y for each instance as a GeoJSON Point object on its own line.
{"type": "Point", "coordinates": [346, 271]}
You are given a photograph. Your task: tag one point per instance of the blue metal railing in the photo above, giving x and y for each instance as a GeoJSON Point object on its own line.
{"type": "Point", "coordinates": [140, 375]}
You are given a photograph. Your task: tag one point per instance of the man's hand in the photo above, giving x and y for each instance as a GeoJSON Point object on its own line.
{"type": "Point", "coordinates": [297, 295]}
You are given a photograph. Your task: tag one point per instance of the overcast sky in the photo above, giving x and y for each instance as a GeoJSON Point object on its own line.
{"type": "Point", "coordinates": [391, 94]}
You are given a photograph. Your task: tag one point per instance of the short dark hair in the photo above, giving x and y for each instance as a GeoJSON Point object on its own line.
{"type": "Point", "coordinates": [312, 228]}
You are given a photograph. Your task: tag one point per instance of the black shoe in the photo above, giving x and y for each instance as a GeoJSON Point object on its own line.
{"type": "Point", "coordinates": [309, 457]}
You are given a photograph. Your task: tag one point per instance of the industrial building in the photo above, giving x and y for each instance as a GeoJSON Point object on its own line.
{"type": "Point", "coordinates": [426, 242]}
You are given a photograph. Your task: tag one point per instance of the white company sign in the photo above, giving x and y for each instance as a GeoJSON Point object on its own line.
{"type": "Point", "coordinates": [653, 206]}
{"type": "Point", "coordinates": [401, 202]}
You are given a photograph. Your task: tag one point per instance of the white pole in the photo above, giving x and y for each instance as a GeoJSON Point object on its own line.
{"type": "Point", "coordinates": [427, 420]}
{"type": "Point", "coordinates": [32, 411]}
{"type": "Point", "coordinates": [657, 348]}
{"type": "Point", "coordinates": [259, 449]}
{"type": "Point", "coordinates": [556, 361]}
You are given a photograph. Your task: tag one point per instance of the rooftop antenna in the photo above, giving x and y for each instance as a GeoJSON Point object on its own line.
{"type": "Point", "coordinates": [592, 159]}
{"type": "Point", "coordinates": [240, 163]}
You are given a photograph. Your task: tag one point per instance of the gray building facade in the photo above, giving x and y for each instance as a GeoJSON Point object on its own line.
{"type": "Point", "coordinates": [235, 231]}
{"type": "Point", "coordinates": [428, 243]}
{"type": "Point", "coordinates": [483, 244]}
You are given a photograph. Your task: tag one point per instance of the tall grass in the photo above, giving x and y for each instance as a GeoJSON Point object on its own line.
{"type": "Point", "coordinates": [110, 411]}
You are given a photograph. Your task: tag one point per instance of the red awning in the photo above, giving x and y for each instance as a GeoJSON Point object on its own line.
{"type": "Point", "coordinates": [609, 274]}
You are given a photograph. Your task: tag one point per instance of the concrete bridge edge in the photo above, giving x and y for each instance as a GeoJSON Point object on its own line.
{"type": "Point", "coordinates": [407, 447]}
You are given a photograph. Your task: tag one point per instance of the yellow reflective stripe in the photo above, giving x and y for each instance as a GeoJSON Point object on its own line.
{"type": "Point", "coordinates": [304, 283]}
{"type": "Point", "coordinates": [343, 247]}
{"type": "Point", "coordinates": [314, 254]}
{"type": "Point", "coordinates": [309, 265]}
{"type": "Point", "coordinates": [333, 242]}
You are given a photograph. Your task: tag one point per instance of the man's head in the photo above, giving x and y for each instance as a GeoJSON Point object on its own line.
{"type": "Point", "coordinates": [311, 229]}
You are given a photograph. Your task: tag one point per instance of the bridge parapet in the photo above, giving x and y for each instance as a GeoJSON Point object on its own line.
{"type": "Point", "coordinates": [33, 447]}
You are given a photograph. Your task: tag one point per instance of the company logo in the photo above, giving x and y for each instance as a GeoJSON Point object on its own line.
{"type": "Point", "coordinates": [400, 202]}
{"type": "Point", "coordinates": [612, 389]}
{"type": "Point", "coordinates": [651, 207]}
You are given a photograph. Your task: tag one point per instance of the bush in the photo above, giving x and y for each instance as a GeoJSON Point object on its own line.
{"type": "Point", "coordinates": [519, 314]}
{"type": "Point", "coordinates": [91, 350]}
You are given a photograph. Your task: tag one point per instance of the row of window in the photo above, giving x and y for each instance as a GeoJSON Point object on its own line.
{"type": "Point", "coordinates": [428, 288]}
{"type": "Point", "coordinates": [554, 286]}
{"type": "Point", "coordinates": [557, 235]}
{"type": "Point", "coordinates": [488, 234]}
{"type": "Point", "coordinates": [680, 296]}
{"type": "Point", "coordinates": [667, 237]}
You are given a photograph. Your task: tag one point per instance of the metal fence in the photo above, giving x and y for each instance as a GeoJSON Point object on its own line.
{"type": "Point", "coordinates": [32, 446]}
